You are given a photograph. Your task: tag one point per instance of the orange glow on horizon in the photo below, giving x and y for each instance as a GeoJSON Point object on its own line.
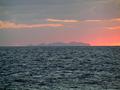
{"type": "Point", "coordinates": [106, 38]}
{"type": "Point", "coordinates": [105, 44]}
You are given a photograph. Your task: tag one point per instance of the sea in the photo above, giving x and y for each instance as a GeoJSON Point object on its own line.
{"type": "Point", "coordinates": [59, 68]}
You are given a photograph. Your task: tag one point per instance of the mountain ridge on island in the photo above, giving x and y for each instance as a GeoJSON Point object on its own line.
{"type": "Point", "coordinates": [65, 44]}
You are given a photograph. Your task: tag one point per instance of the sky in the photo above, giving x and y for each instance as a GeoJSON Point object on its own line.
{"type": "Point", "coordinates": [31, 22]}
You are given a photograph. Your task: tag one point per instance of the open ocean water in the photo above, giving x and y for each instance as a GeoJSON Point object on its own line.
{"type": "Point", "coordinates": [59, 68]}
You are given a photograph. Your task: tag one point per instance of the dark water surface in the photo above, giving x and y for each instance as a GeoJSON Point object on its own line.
{"type": "Point", "coordinates": [59, 68]}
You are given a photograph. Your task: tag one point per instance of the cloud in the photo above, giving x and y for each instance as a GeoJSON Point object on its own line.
{"type": "Point", "coordinates": [78, 21]}
{"type": "Point", "coordinates": [93, 20]}
{"type": "Point", "coordinates": [13, 25]}
{"type": "Point", "coordinates": [104, 20]}
{"type": "Point", "coordinates": [65, 21]}
{"type": "Point", "coordinates": [115, 20]}
{"type": "Point", "coordinates": [114, 28]}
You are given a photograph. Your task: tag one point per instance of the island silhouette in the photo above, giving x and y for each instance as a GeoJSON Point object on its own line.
{"type": "Point", "coordinates": [65, 44]}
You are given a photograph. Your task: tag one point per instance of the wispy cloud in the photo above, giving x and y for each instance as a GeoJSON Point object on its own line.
{"type": "Point", "coordinates": [78, 21]}
{"type": "Point", "coordinates": [115, 20]}
{"type": "Point", "coordinates": [13, 25]}
{"type": "Point", "coordinates": [104, 20]}
{"type": "Point", "coordinates": [59, 20]}
{"type": "Point", "coordinates": [114, 28]}
{"type": "Point", "coordinates": [93, 20]}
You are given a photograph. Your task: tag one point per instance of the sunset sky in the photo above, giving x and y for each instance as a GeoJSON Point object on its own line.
{"type": "Point", "coordinates": [31, 22]}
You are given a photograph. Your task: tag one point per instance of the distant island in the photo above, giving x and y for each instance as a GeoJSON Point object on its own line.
{"type": "Point", "coordinates": [64, 44]}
